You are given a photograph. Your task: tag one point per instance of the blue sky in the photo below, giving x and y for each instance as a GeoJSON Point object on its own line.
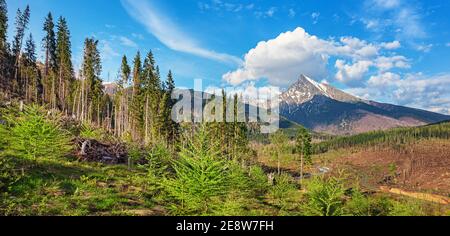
{"type": "Point", "coordinates": [394, 51]}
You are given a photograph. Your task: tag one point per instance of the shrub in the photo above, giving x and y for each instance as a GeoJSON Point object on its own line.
{"type": "Point", "coordinates": [201, 176]}
{"type": "Point", "coordinates": [361, 205]}
{"type": "Point", "coordinates": [283, 193]}
{"type": "Point", "coordinates": [325, 197]}
{"type": "Point", "coordinates": [89, 132]}
{"type": "Point", "coordinates": [158, 162]}
{"type": "Point", "coordinates": [408, 208]}
{"type": "Point", "coordinates": [33, 136]}
{"type": "Point", "coordinates": [259, 180]}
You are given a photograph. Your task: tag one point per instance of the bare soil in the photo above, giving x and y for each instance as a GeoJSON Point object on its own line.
{"type": "Point", "coordinates": [421, 167]}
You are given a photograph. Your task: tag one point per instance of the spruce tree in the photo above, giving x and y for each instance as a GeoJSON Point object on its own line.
{"type": "Point", "coordinates": [171, 126]}
{"type": "Point", "coordinates": [152, 95]}
{"type": "Point", "coordinates": [4, 47]}
{"type": "Point", "coordinates": [33, 85]}
{"type": "Point", "coordinates": [64, 64]}
{"type": "Point", "coordinates": [91, 70]}
{"type": "Point", "coordinates": [21, 24]}
{"type": "Point", "coordinates": [50, 65]}
{"type": "Point", "coordinates": [136, 99]}
{"type": "Point", "coordinates": [303, 148]}
{"type": "Point", "coordinates": [49, 45]}
{"type": "Point", "coordinates": [3, 27]}
{"type": "Point", "coordinates": [122, 116]}
{"type": "Point", "coordinates": [30, 50]}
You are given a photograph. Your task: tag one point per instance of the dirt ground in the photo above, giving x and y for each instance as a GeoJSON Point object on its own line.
{"type": "Point", "coordinates": [421, 167]}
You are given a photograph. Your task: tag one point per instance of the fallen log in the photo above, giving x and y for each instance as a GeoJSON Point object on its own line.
{"type": "Point", "coordinates": [107, 153]}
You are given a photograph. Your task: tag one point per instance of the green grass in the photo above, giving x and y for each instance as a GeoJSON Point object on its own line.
{"type": "Point", "coordinates": [60, 187]}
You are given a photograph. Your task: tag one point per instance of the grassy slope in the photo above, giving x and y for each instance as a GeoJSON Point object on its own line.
{"type": "Point", "coordinates": [63, 187]}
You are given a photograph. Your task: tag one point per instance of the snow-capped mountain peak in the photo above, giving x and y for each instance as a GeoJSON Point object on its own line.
{"type": "Point", "coordinates": [305, 89]}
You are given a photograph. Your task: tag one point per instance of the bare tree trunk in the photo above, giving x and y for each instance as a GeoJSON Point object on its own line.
{"type": "Point", "coordinates": [146, 119]}
{"type": "Point", "coordinates": [82, 100]}
{"type": "Point", "coordinates": [278, 164]}
{"type": "Point", "coordinates": [301, 170]}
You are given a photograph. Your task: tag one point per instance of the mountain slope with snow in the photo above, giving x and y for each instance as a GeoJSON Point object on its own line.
{"type": "Point", "coordinates": [324, 108]}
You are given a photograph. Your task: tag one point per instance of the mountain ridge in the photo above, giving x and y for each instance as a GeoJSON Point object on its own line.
{"type": "Point", "coordinates": [323, 108]}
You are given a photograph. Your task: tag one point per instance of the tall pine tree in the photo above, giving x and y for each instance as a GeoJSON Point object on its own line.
{"type": "Point", "coordinates": [50, 65]}
{"type": "Point", "coordinates": [4, 47]}
{"type": "Point", "coordinates": [21, 24]}
{"type": "Point", "coordinates": [33, 85]}
{"type": "Point", "coordinates": [92, 85]}
{"type": "Point", "coordinates": [136, 118]}
{"type": "Point", "coordinates": [64, 64]}
{"type": "Point", "coordinates": [122, 116]}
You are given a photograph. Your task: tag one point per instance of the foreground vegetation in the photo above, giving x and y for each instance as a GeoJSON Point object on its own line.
{"type": "Point", "coordinates": [194, 179]}
{"type": "Point", "coordinates": [49, 116]}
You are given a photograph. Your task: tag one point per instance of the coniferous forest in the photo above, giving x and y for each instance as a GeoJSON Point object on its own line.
{"type": "Point", "coordinates": [71, 147]}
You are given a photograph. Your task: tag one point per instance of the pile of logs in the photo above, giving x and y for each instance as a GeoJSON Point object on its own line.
{"type": "Point", "coordinates": [95, 151]}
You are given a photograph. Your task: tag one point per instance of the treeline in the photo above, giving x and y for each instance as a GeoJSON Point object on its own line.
{"type": "Point", "coordinates": [392, 137]}
{"type": "Point", "coordinates": [140, 108]}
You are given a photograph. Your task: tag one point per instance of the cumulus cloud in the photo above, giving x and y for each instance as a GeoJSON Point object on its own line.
{"type": "Point", "coordinates": [169, 34]}
{"type": "Point", "coordinates": [249, 93]}
{"type": "Point", "coordinates": [392, 45]}
{"type": "Point", "coordinates": [283, 59]}
{"type": "Point", "coordinates": [386, 63]}
{"type": "Point", "coordinates": [349, 73]}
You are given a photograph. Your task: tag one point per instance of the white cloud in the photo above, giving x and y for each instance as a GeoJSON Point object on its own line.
{"type": "Point", "coordinates": [266, 14]}
{"type": "Point", "coordinates": [387, 4]}
{"type": "Point", "coordinates": [414, 90]}
{"type": "Point", "coordinates": [283, 59]}
{"type": "Point", "coordinates": [221, 5]}
{"type": "Point", "coordinates": [371, 24]}
{"type": "Point", "coordinates": [399, 17]}
{"type": "Point", "coordinates": [249, 92]}
{"type": "Point", "coordinates": [392, 45]}
{"type": "Point", "coordinates": [349, 73]}
{"type": "Point", "coordinates": [385, 79]}
{"type": "Point", "coordinates": [386, 63]}
{"type": "Point", "coordinates": [424, 47]}
{"type": "Point", "coordinates": [107, 51]}
{"type": "Point", "coordinates": [169, 34]}
{"type": "Point", "coordinates": [127, 42]}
